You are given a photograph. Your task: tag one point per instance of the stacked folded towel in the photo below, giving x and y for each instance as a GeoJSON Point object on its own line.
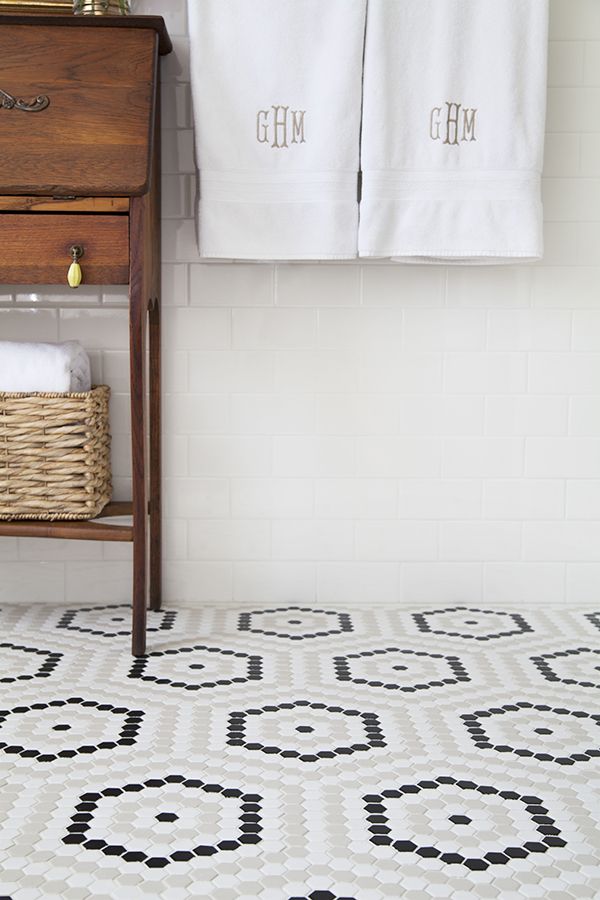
{"type": "Point", "coordinates": [44, 367]}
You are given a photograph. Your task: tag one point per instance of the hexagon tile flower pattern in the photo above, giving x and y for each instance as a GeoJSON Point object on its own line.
{"type": "Point", "coordinates": [193, 668]}
{"type": "Point", "coordinates": [112, 621]}
{"type": "Point", "coordinates": [306, 731]}
{"type": "Point", "coordinates": [292, 752]}
{"type": "Point", "coordinates": [25, 663]}
{"type": "Point", "coordinates": [476, 624]}
{"type": "Point", "coordinates": [400, 670]}
{"type": "Point", "coordinates": [295, 622]}
{"type": "Point", "coordinates": [67, 728]}
{"type": "Point", "coordinates": [187, 819]}
{"type": "Point", "coordinates": [550, 734]}
{"type": "Point", "coordinates": [458, 818]}
{"type": "Point", "coordinates": [580, 666]}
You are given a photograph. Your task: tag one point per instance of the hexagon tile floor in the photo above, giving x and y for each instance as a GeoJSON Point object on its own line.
{"type": "Point", "coordinates": [294, 753]}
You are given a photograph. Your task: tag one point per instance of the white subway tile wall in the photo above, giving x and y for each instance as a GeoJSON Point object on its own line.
{"type": "Point", "coordinates": [339, 433]}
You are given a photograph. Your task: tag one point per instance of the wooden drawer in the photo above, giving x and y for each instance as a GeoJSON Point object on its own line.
{"type": "Point", "coordinates": [36, 248]}
{"type": "Point", "coordinates": [93, 136]}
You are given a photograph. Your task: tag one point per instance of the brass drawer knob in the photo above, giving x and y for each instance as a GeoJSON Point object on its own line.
{"type": "Point", "coordinates": [74, 275]}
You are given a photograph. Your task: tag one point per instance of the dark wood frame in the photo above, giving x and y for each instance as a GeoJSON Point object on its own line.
{"type": "Point", "coordinates": [156, 23]}
{"type": "Point", "coordinates": [144, 334]}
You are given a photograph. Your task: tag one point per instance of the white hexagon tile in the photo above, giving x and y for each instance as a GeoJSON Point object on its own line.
{"type": "Point", "coordinates": [291, 753]}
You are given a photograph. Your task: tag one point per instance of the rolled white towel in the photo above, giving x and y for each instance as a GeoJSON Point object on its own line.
{"type": "Point", "coordinates": [44, 367]}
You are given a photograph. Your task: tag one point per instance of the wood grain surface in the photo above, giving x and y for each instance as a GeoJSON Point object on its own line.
{"type": "Point", "coordinates": [36, 248]}
{"type": "Point", "coordinates": [23, 203]}
{"type": "Point", "coordinates": [152, 23]}
{"type": "Point", "coordinates": [94, 136]}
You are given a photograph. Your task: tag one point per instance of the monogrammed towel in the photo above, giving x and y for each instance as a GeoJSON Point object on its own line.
{"type": "Point", "coordinates": [44, 367]}
{"type": "Point", "coordinates": [277, 97]}
{"type": "Point", "coordinates": [453, 130]}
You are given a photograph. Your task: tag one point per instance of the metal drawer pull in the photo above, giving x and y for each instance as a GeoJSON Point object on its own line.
{"type": "Point", "coordinates": [74, 275]}
{"type": "Point", "coordinates": [7, 101]}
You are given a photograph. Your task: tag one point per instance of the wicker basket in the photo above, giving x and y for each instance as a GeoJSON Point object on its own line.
{"type": "Point", "coordinates": [54, 455]}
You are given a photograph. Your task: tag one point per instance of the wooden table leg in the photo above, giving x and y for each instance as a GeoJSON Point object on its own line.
{"type": "Point", "coordinates": [155, 458]}
{"type": "Point", "coordinates": [138, 311]}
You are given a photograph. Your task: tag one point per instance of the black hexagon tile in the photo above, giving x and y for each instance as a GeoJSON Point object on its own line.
{"type": "Point", "coordinates": [318, 895]}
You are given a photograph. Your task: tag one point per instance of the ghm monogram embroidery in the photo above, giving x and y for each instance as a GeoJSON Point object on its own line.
{"type": "Point", "coordinates": [278, 124]}
{"type": "Point", "coordinates": [450, 125]}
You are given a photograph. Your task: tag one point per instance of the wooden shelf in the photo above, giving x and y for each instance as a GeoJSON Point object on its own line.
{"type": "Point", "coordinates": [89, 530]}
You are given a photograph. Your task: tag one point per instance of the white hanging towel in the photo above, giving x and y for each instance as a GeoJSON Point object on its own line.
{"type": "Point", "coordinates": [32, 367]}
{"type": "Point", "coordinates": [453, 130]}
{"type": "Point", "coordinates": [277, 95]}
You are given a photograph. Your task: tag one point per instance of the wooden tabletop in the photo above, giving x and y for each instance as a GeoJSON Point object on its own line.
{"type": "Point", "coordinates": [156, 23]}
